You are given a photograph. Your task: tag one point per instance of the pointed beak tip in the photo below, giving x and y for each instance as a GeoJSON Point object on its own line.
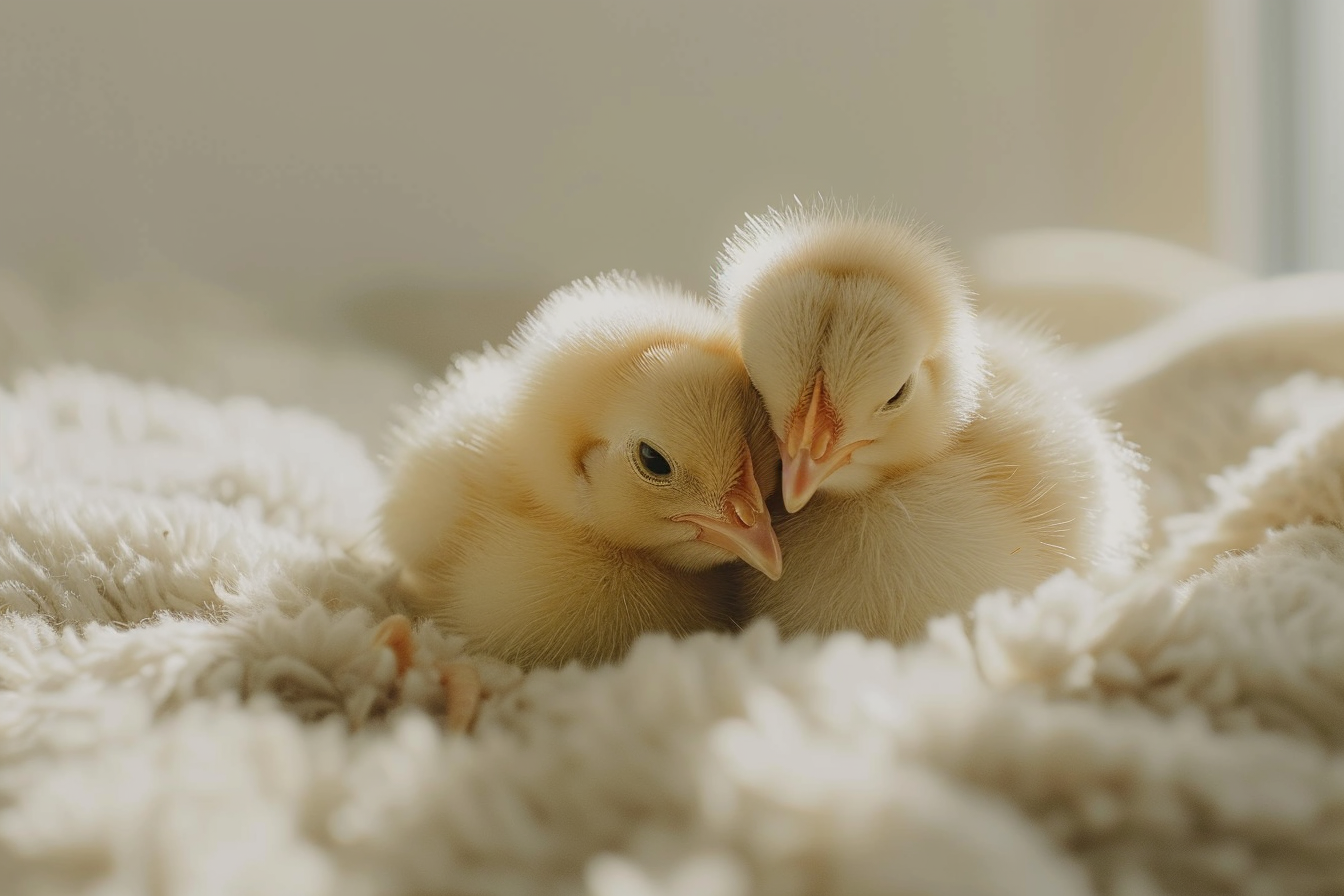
{"type": "Point", "coordinates": [756, 545]}
{"type": "Point", "coordinates": [769, 559]}
{"type": "Point", "coordinates": [762, 551]}
{"type": "Point", "coordinates": [801, 476]}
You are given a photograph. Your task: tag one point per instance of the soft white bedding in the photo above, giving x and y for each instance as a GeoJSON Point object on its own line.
{"type": "Point", "coordinates": [190, 701]}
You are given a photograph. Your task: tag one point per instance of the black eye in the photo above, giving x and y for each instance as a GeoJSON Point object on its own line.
{"type": "Point", "coordinates": [900, 394]}
{"type": "Point", "coordinates": [652, 461]}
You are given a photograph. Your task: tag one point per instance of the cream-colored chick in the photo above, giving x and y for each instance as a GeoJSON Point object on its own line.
{"type": "Point", "coordinates": [938, 455]}
{"type": "Point", "coordinates": [592, 481]}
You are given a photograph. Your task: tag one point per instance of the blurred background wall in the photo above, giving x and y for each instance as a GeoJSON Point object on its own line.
{"type": "Point", "coordinates": [426, 171]}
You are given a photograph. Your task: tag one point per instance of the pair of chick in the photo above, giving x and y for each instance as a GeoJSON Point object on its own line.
{"type": "Point", "coordinates": [600, 476]}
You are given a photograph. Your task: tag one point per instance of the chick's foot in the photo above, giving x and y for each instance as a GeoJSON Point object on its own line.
{"type": "Point", "coordinates": [459, 681]}
{"type": "Point", "coordinates": [461, 685]}
{"type": "Point", "coordinates": [396, 635]}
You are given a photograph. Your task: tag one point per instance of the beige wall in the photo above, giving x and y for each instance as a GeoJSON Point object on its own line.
{"type": "Point", "coordinates": [469, 156]}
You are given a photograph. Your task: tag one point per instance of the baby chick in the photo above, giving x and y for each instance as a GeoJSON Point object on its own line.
{"type": "Point", "coordinates": [592, 481]}
{"type": "Point", "coordinates": [938, 455]}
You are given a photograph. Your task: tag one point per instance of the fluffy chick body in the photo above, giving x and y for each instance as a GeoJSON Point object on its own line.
{"type": "Point", "coordinates": [972, 463]}
{"type": "Point", "coordinates": [516, 510]}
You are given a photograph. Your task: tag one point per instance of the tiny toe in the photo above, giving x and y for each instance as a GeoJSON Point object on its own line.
{"type": "Point", "coordinates": [462, 686]}
{"type": "Point", "coordinates": [395, 634]}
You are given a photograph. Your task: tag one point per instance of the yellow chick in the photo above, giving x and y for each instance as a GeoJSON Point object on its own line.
{"type": "Point", "coordinates": [591, 481]}
{"type": "Point", "coordinates": [938, 455]}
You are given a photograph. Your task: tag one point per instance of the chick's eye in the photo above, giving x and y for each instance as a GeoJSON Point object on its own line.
{"type": "Point", "coordinates": [900, 395]}
{"type": "Point", "coordinates": [651, 460]}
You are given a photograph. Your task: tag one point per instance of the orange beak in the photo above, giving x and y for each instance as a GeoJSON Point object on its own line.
{"type": "Point", "coordinates": [744, 528]}
{"type": "Point", "coordinates": [811, 452]}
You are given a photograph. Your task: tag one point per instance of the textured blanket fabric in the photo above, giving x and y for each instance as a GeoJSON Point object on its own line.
{"type": "Point", "coordinates": [191, 701]}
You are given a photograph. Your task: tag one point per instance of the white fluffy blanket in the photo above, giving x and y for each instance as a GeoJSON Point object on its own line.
{"type": "Point", "coordinates": [191, 702]}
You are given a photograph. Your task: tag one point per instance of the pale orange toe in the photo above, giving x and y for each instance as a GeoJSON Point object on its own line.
{"type": "Point", "coordinates": [462, 687]}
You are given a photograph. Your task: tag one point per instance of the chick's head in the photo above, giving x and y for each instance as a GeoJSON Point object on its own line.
{"type": "Point", "coordinates": [860, 335]}
{"type": "Point", "coordinates": [665, 446]}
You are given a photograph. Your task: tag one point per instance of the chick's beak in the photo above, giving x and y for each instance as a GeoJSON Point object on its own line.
{"type": "Point", "coordinates": [811, 452]}
{"type": "Point", "coordinates": [744, 527]}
